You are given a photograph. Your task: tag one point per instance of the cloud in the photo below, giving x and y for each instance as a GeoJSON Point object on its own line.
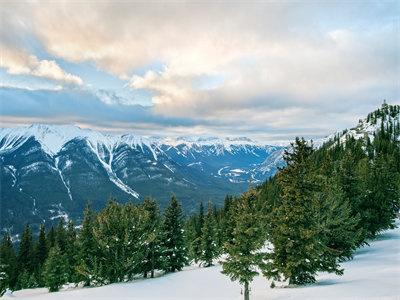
{"type": "Point", "coordinates": [19, 62]}
{"type": "Point", "coordinates": [287, 68]}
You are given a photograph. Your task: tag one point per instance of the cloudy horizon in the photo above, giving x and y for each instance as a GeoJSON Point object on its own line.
{"type": "Point", "coordinates": [266, 70]}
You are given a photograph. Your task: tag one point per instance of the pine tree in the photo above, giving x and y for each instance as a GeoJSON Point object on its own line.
{"type": "Point", "coordinates": [381, 203]}
{"type": "Point", "coordinates": [41, 246]}
{"type": "Point", "coordinates": [243, 251]}
{"type": "Point", "coordinates": [51, 238]}
{"type": "Point", "coordinates": [87, 246]}
{"type": "Point", "coordinates": [61, 237]}
{"type": "Point", "coordinates": [197, 248]}
{"type": "Point", "coordinates": [9, 262]}
{"type": "Point", "coordinates": [152, 235]}
{"type": "Point", "coordinates": [55, 269]}
{"type": "Point", "coordinates": [208, 238]}
{"type": "Point", "coordinates": [175, 252]}
{"type": "Point", "coordinates": [40, 254]}
{"type": "Point", "coordinates": [26, 256]}
{"type": "Point", "coordinates": [301, 219]}
{"type": "Point", "coordinates": [118, 231]}
{"type": "Point", "coordinates": [71, 251]}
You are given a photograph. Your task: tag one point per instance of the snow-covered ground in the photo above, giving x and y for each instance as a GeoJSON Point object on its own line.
{"type": "Point", "coordinates": [374, 274]}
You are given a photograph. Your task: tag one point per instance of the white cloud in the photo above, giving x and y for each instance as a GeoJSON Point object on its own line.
{"type": "Point", "coordinates": [20, 62]}
{"type": "Point", "coordinates": [274, 57]}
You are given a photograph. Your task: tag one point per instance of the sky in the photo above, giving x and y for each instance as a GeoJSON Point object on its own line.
{"type": "Point", "coordinates": [267, 70]}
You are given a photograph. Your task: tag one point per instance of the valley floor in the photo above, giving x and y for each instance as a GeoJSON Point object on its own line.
{"type": "Point", "coordinates": [374, 274]}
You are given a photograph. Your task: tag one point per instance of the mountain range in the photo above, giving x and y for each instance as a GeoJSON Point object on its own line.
{"type": "Point", "coordinates": [50, 171]}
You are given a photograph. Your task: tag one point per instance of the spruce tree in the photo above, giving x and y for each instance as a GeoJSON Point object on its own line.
{"type": "Point", "coordinates": [300, 234]}
{"type": "Point", "coordinates": [87, 247]}
{"type": "Point", "coordinates": [40, 254]}
{"type": "Point", "coordinates": [197, 247]}
{"type": "Point", "coordinates": [41, 246]}
{"type": "Point", "coordinates": [152, 236]}
{"type": "Point", "coordinates": [51, 238]}
{"type": "Point", "coordinates": [9, 262]}
{"type": "Point", "coordinates": [25, 257]}
{"type": "Point", "coordinates": [55, 269]}
{"type": "Point", "coordinates": [71, 251]}
{"type": "Point", "coordinates": [244, 257]}
{"type": "Point", "coordinates": [61, 237]}
{"type": "Point", "coordinates": [208, 239]}
{"type": "Point", "coordinates": [381, 203]}
{"type": "Point", "coordinates": [173, 239]}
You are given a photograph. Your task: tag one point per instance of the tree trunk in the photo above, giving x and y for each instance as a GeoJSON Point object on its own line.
{"type": "Point", "coordinates": [145, 274]}
{"type": "Point", "coordinates": [152, 273]}
{"type": "Point", "coordinates": [246, 291]}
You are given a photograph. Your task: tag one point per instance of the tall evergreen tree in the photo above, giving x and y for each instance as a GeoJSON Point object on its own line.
{"type": "Point", "coordinates": [9, 262]}
{"type": "Point", "coordinates": [248, 237]}
{"type": "Point", "coordinates": [40, 254]}
{"type": "Point", "coordinates": [175, 252]}
{"type": "Point", "coordinates": [71, 251]}
{"type": "Point", "coordinates": [152, 235]}
{"type": "Point", "coordinates": [300, 249]}
{"type": "Point", "coordinates": [61, 237]}
{"type": "Point", "coordinates": [197, 248]}
{"type": "Point", "coordinates": [381, 203]}
{"type": "Point", "coordinates": [41, 246]}
{"type": "Point", "coordinates": [87, 247]}
{"type": "Point", "coordinates": [26, 252]}
{"type": "Point", "coordinates": [208, 238]}
{"type": "Point", "coordinates": [51, 238]}
{"type": "Point", "coordinates": [55, 269]}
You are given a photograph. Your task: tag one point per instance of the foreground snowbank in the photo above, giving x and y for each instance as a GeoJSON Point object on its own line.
{"type": "Point", "coordinates": [374, 274]}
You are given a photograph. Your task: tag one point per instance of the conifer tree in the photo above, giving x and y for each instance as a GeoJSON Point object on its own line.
{"type": "Point", "coordinates": [55, 269]}
{"type": "Point", "coordinates": [338, 226]}
{"type": "Point", "coordinates": [381, 203]}
{"type": "Point", "coordinates": [197, 247]}
{"type": "Point", "coordinates": [175, 252]}
{"type": "Point", "coordinates": [118, 231]}
{"type": "Point", "coordinates": [208, 239]}
{"type": "Point", "coordinates": [40, 254]}
{"type": "Point", "coordinates": [9, 262]}
{"type": "Point", "coordinates": [152, 235]}
{"type": "Point", "coordinates": [243, 251]}
{"type": "Point", "coordinates": [61, 237]}
{"type": "Point", "coordinates": [51, 238]}
{"type": "Point", "coordinates": [301, 247]}
{"type": "Point", "coordinates": [41, 246]}
{"type": "Point", "coordinates": [71, 251]}
{"type": "Point", "coordinates": [87, 247]}
{"type": "Point", "coordinates": [25, 257]}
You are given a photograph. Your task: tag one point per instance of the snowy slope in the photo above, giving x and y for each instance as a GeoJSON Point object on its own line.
{"type": "Point", "coordinates": [366, 127]}
{"type": "Point", "coordinates": [374, 274]}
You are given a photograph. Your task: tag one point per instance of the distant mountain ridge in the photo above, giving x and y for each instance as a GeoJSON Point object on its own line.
{"type": "Point", "coordinates": [48, 171]}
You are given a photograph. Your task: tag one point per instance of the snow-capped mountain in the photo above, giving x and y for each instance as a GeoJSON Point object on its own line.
{"type": "Point", "coordinates": [49, 171]}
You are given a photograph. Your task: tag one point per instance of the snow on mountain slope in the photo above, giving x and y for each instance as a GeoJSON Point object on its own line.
{"type": "Point", "coordinates": [51, 165]}
{"type": "Point", "coordinates": [373, 274]}
{"type": "Point", "coordinates": [53, 137]}
{"type": "Point", "coordinates": [387, 115]}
